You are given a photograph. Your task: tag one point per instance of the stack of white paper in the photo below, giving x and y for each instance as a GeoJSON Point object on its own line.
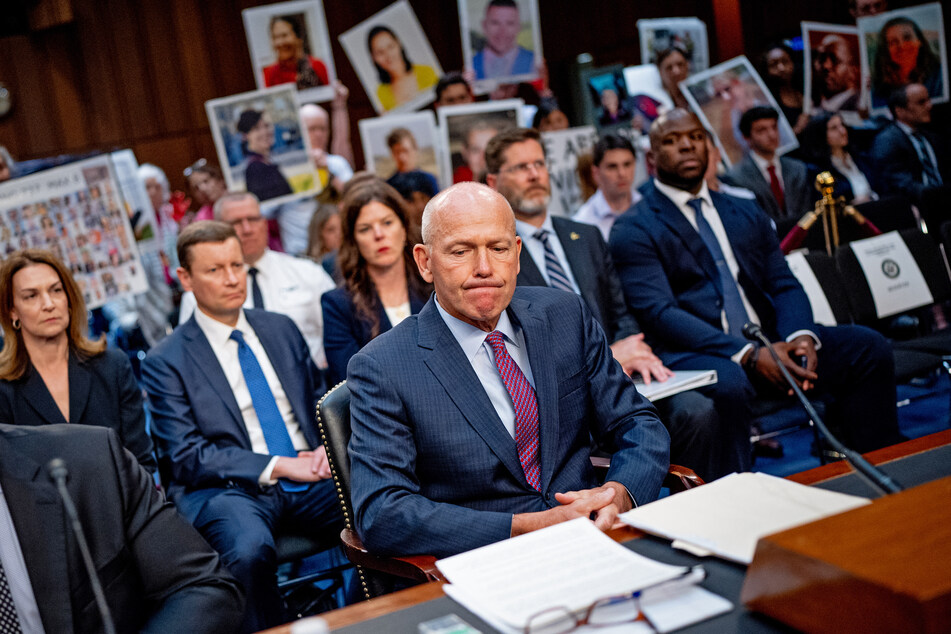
{"type": "Point", "coordinates": [728, 516]}
{"type": "Point", "coordinates": [572, 564]}
{"type": "Point", "coordinates": [681, 381]}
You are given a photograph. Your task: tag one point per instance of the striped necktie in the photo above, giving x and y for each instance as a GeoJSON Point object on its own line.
{"type": "Point", "coordinates": [557, 278]}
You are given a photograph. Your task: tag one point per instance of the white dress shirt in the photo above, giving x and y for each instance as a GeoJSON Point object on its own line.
{"type": "Point", "coordinates": [226, 350]}
{"type": "Point", "coordinates": [536, 248]}
{"type": "Point", "coordinates": [596, 211]}
{"type": "Point", "coordinates": [857, 180]}
{"type": "Point", "coordinates": [290, 286]}
{"type": "Point", "coordinates": [480, 356]}
{"type": "Point", "coordinates": [680, 197]}
{"type": "Point", "coordinates": [763, 166]}
{"type": "Point", "coordinates": [18, 578]}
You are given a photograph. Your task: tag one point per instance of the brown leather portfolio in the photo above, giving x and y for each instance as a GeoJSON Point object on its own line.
{"type": "Point", "coordinates": [885, 567]}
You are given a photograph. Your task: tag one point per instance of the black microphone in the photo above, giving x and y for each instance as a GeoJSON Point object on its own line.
{"type": "Point", "coordinates": [58, 474]}
{"type": "Point", "coordinates": [874, 476]}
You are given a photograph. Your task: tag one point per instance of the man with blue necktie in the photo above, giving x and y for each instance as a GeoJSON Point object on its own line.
{"type": "Point", "coordinates": [696, 265]}
{"type": "Point", "coordinates": [472, 421]}
{"type": "Point", "coordinates": [233, 394]}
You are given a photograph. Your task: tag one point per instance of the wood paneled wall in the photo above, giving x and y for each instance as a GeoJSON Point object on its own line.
{"type": "Point", "coordinates": [136, 73]}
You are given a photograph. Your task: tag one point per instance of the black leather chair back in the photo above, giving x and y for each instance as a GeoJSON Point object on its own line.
{"type": "Point", "coordinates": [333, 423]}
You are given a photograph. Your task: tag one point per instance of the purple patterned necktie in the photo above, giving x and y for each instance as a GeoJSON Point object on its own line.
{"type": "Point", "coordinates": [526, 408]}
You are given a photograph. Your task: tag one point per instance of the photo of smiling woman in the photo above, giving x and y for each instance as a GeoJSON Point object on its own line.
{"type": "Point", "coordinates": [262, 178]}
{"type": "Point", "coordinates": [50, 371]}
{"type": "Point", "coordinates": [294, 64]}
{"type": "Point", "coordinates": [400, 79]}
{"type": "Point", "coordinates": [382, 285]}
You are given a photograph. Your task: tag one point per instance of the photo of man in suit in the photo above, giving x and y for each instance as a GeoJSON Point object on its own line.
{"type": "Point", "coordinates": [472, 421]}
{"type": "Point", "coordinates": [696, 265]}
{"type": "Point", "coordinates": [233, 393]}
{"type": "Point", "coordinates": [573, 257]}
{"type": "Point", "coordinates": [157, 573]}
{"type": "Point", "coordinates": [779, 182]}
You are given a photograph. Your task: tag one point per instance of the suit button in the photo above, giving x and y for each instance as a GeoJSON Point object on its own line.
{"type": "Point", "coordinates": [719, 304]}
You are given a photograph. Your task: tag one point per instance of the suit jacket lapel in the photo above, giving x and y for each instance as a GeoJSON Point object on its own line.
{"type": "Point", "coordinates": [203, 358]}
{"type": "Point", "coordinates": [79, 382]}
{"type": "Point", "coordinates": [575, 255]}
{"type": "Point", "coordinates": [528, 273]}
{"type": "Point", "coordinates": [454, 372]}
{"type": "Point", "coordinates": [546, 385]}
{"type": "Point", "coordinates": [41, 530]}
{"type": "Point", "coordinates": [37, 395]}
{"type": "Point", "coordinates": [668, 213]}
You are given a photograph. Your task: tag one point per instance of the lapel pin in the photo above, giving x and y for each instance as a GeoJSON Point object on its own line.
{"type": "Point", "coordinates": [573, 235]}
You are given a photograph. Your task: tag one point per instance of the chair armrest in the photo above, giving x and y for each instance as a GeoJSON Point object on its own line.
{"type": "Point", "coordinates": [417, 567]}
{"type": "Point", "coordinates": [680, 478]}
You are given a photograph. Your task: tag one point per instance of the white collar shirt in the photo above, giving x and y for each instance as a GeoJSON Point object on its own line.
{"type": "Point", "coordinates": [763, 166]}
{"type": "Point", "coordinates": [596, 211]}
{"type": "Point", "coordinates": [290, 286]}
{"type": "Point", "coordinates": [479, 354]}
{"type": "Point", "coordinates": [17, 574]}
{"type": "Point", "coordinates": [226, 351]}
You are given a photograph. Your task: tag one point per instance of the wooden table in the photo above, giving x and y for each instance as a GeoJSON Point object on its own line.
{"type": "Point", "coordinates": [413, 596]}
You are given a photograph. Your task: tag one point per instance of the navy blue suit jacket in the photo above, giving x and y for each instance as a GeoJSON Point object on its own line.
{"type": "Point", "coordinates": [201, 439]}
{"type": "Point", "coordinates": [345, 332]}
{"type": "Point", "coordinates": [898, 170]}
{"type": "Point", "coordinates": [672, 285]}
{"type": "Point", "coordinates": [434, 470]}
{"type": "Point", "coordinates": [594, 273]}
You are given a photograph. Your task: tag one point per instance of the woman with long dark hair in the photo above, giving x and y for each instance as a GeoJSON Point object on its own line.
{"type": "Point", "coordinates": [294, 65]}
{"type": "Point", "coordinates": [825, 147]}
{"type": "Point", "coordinates": [381, 283]}
{"type": "Point", "coordinates": [903, 56]}
{"type": "Point", "coordinates": [400, 79]}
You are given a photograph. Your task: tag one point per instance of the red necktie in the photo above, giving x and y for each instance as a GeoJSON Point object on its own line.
{"type": "Point", "coordinates": [777, 187]}
{"type": "Point", "coordinates": [526, 408]}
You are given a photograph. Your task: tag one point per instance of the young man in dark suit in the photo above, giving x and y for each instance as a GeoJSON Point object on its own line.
{"type": "Point", "coordinates": [233, 394]}
{"type": "Point", "coordinates": [157, 573]}
{"type": "Point", "coordinates": [696, 265]}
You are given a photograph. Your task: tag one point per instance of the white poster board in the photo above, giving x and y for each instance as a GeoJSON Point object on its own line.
{"type": "Point", "coordinates": [138, 206]}
{"type": "Point", "coordinates": [893, 276]}
{"type": "Point", "coordinates": [562, 148]}
{"type": "Point", "coordinates": [379, 156]}
{"type": "Point", "coordinates": [76, 211]}
{"type": "Point", "coordinates": [689, 34]}
{"type": "Point", "coordinates": [821, 310]}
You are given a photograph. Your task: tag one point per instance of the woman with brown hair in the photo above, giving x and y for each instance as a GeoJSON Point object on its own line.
{"type": "Point", "coordinates": [50, 371]}
{"type": "Point", "coordinates": [381, 284]}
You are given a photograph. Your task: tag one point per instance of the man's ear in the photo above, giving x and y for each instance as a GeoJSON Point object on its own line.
{"type": "Point", "coordinates": [421, 255]}
{"type": "Point", "coordinates": [184, 277]}
{"type": "Point", "coordinates": [492, 180]}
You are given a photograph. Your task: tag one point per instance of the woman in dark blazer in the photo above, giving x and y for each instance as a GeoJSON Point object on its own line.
{"type": "Point", "coordinates": [50, 372]}
{"type": "Point", "coordinates": [825, 147]}
{"type": "Point", "coordinates": [381, 284]}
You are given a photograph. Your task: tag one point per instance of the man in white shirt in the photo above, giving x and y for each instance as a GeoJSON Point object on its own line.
{"type": "Point", "coordinates": [612, 167]}
{"type": "Point", "coordinates": [779, 182]}
{"type": "Point", "coordinates": [233, 394]}
{"type": "Point", "coordinates": [278, 282]}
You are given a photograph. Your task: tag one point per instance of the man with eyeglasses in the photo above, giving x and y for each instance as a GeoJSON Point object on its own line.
{"type": "Point", "coordinates": [277, 282]}
{"type": "Point", "coordinates": [573, 257]}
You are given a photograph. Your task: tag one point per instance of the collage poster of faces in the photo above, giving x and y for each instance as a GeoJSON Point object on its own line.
{"type": "Point", "coordinates": [77, 212]}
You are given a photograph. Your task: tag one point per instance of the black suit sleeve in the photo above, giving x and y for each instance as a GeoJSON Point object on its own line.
{"type": "Point", "coordinates": [181, 574]}
{"type": "Point", "coordinates": [621, 321]}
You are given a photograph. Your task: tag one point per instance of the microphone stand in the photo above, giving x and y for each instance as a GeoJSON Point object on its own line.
{"type": "Point", "coordinates": [57, 473]}
{"type": "Point", "coordinates": [876, 478]}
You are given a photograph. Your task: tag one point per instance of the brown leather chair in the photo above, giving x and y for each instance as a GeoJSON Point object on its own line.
{"type": "Point", "coordinates": [377, 573]}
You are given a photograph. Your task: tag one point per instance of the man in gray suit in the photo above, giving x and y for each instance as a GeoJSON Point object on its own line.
{"type": "Point", "coordinates": [780, 183]}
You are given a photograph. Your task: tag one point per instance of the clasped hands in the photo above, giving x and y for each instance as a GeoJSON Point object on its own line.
{"type": "Point", "coordinates": [603, 504]}
{"type": "Point", "coordinates": [789, 353]}
{"type": "Point", "coordinates": [636, 356]}
{"type": "Point", "coordinates": [308, 466]}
